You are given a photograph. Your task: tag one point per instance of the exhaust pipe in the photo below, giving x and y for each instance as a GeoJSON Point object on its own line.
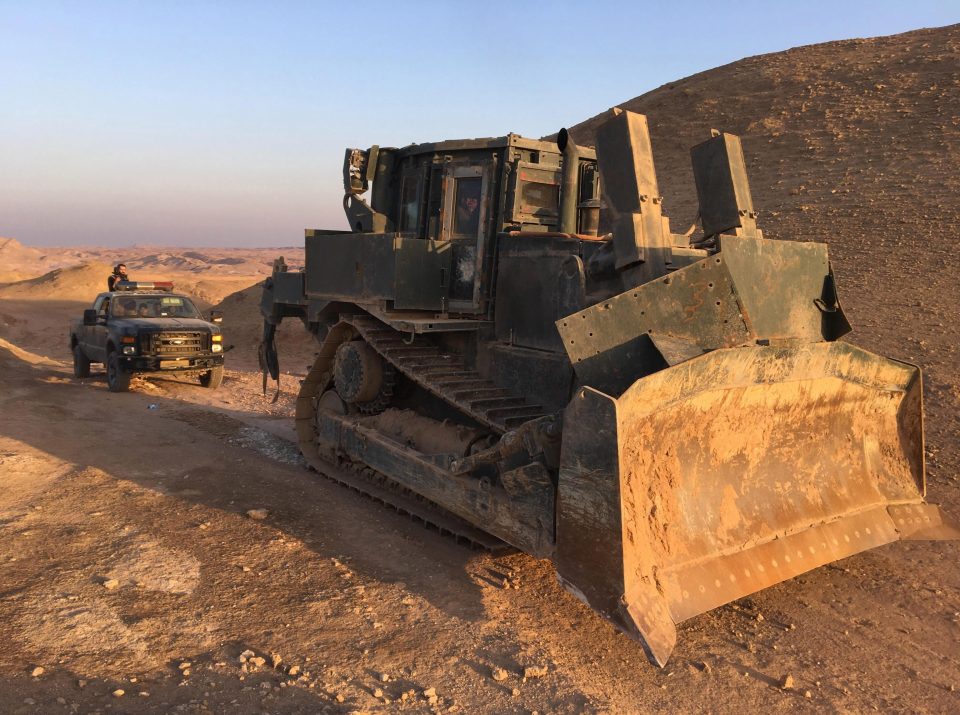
{"type": "Point", "coordinates": [569, 183]}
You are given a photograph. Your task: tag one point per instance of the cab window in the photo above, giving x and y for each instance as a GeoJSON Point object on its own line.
{"type": "Point", "coordinates": [467, 197]}
{"type": "Point", "coordinates": [102, 307]}
{"type": "Point", "coordinates": [125, 307]}
{"type": "Point", "coordinates": [409, 204]}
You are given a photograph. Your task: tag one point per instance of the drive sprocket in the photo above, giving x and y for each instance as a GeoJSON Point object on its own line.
{"type": "Point", "coordinates": [363, 379]}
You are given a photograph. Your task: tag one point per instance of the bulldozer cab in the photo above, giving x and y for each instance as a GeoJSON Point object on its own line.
{"type": "Point", "coordinates": [442, 205]}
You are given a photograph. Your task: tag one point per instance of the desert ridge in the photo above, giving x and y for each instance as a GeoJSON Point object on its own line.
{"type": "Point", "coordinates": [48, 288]}
{"type": "Point", "coordinates": [209, 274]}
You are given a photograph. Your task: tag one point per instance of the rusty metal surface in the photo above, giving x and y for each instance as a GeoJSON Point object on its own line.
{"type": "Point", "coordinates": [723, 191]}
{"type": "Point", "coordinates": [746, 445]}
{"type": "Point", "coordinates": [608, 343]}
{"type": "Point", "coordinates": [777, 285]}
{"type": "Point", "coordinates": [753, 290]}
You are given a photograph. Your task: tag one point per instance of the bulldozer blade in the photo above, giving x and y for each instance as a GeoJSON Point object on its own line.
{"type": "Point", "coordinates": [733, 471]}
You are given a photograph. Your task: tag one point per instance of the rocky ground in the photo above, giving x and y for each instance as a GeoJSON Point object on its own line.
{"type": "Point", "coordinates": [167, 551]}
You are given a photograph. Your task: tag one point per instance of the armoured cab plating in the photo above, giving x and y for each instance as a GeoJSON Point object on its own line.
{"type": "Point", "coordinates": [425, 241]}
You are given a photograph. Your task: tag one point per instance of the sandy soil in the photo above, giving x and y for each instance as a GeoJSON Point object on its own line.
{"type": "Point", "coordinates": [126, 551]}
{"type": "Point", "coordinates": [128, 560]}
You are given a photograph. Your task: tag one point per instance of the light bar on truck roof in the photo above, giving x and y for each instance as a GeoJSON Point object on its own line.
{"type": "Point", "coordinates": [143, 285]}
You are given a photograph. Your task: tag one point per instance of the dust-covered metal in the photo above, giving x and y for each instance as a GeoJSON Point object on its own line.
{"type": "Point", "coordinates": [667, 417]}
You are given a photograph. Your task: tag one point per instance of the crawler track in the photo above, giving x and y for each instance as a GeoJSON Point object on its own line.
{"type": "Point", "coordinates": [442, 375]}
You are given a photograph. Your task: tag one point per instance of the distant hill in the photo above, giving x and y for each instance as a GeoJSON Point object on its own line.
{"type": "Point", "coordinates": [18, 261]}
{"type": "Point", "coordinates": [193, 267]}
{"type": "Point", "coordinates": [81, 282]}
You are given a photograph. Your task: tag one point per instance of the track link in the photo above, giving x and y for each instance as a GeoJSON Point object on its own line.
{"type": "Point", "coordinates": [377, 486]}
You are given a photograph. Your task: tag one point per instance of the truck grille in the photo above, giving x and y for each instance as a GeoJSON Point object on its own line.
{"type": "Point", "coordinates": [178, 343]}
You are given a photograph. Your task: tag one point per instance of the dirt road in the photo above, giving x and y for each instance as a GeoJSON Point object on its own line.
{"type": "Point", "coordinates": [128, 563]}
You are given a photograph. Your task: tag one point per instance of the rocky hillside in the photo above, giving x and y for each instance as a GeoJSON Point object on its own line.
{"type": "Point", "coordinates": [855, 141]}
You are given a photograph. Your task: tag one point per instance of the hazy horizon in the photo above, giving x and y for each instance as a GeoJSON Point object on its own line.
{"type": "Point", "coordinates": [223, 124]}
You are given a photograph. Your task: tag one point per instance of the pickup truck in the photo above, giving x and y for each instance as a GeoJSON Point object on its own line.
{"type": "Point", "coordinates": [147, 328]}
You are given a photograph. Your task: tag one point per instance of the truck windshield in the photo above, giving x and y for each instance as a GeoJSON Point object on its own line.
{"type": "Point", "coordinates": [153, 306]}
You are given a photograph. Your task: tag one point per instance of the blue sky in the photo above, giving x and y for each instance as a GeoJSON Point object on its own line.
{"type": "Point", "coordinates": [224, 123]}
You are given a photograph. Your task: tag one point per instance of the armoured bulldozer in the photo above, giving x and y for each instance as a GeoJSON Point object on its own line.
{"type": "Point", "coordinates": [516, 348]}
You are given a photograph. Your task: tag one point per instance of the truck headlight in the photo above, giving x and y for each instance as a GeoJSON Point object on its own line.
{"type": "Point", "coordinates": [216, 347]}
{"type": "Point", "coordinates": [129, 350]}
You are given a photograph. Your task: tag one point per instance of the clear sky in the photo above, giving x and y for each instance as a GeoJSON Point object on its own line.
{"type": "Point", "coordinates": [224, 123]}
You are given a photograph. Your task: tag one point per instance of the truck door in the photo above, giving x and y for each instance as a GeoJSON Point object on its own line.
{"type": "Point", "coordinates": [465, 222]}
{"type": "Point", "coordinates": [95, 336]}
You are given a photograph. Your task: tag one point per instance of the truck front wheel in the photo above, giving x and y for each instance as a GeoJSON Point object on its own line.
{"type": "Point", "coordinates": [81, 365]}
{"type": "Point", "coordinates": [212, 378]}
{"type": "Point", "coordinates": [117, 379]}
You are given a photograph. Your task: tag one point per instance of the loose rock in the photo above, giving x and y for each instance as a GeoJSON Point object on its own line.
{"type": "Point", "coordinates": [294, 670]}
{"type": "Point", "coordinates": [275, 660]}
{"type": "Point", "coordinates": [118, 693]}
{"type": "Point", "coordinates": [110, 584]}
{"type": "Point", "coordinates": [787, 682]}
{"type": "Point", "coordinates": [377, 693]}
{"type": "Point", "coordinates": [246, 655]}
{"type": "Point", "coordinates": [534, 671]}
{"type": "Point", "coordinates": [37, 672]}
{"type": "Point", "coordinates": [429, 692]}
{"type": "Point", "coordinates": [384, 678]}
{"type": "Point", "coordinates": [257, 661]}
{"type": "Point", "coordinates": [499, 674]}
{"type": "Point", "coordinates": [257, 514]}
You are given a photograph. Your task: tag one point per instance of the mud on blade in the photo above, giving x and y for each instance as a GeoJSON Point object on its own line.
{"type": "Point", "coordinates": [735, 471]}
